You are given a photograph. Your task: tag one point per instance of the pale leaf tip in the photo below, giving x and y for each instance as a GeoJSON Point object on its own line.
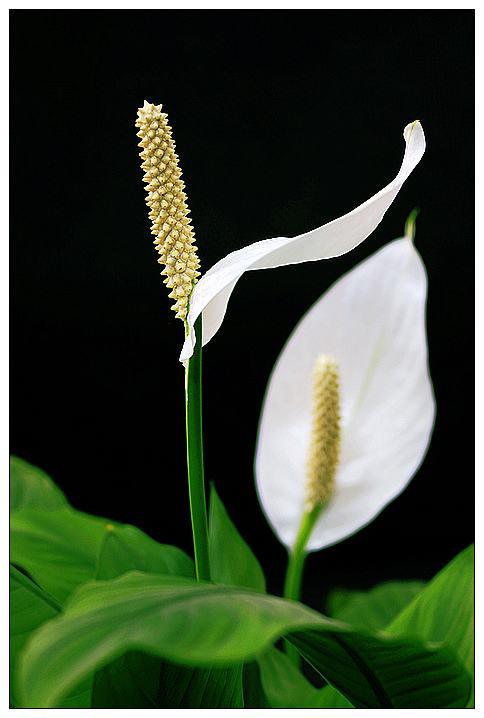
{"type": "Point", "coordinates": [410, 224]}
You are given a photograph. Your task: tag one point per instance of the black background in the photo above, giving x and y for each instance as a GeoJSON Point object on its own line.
{"type": "Point", "coordinates": [283, 121]}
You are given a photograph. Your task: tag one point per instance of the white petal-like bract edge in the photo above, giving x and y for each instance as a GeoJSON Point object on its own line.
{"type": "Point", "coordinates": [212, 293]}
{"type": "Point", "coordinates": [372, 321]}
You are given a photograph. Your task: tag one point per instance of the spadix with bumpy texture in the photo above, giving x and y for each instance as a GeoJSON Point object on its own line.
{"type": "Point", "coordinates": [325, 439]}
{"type": "Point", "coordinates": [167, 202]}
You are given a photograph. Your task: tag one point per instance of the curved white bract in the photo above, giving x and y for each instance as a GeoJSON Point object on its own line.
{"type": "Point", "coordinates": [372, 321]}
{"type": "Point", "coordinates": [212, 293]}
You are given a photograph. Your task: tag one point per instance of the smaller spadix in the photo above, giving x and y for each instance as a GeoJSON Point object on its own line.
{"type": "Point", "coordinates": [325, 439]}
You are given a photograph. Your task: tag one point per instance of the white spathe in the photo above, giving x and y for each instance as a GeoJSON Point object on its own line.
{"type": "Point", "coordinates": [212, 293]}
{"type": "Point", "coordinates": [372, 321]}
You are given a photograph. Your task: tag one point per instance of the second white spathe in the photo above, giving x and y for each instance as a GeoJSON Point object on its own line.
{"type": "Point", "coordinates": [372, 321]}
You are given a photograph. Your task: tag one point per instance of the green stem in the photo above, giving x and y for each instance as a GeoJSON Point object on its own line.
{"type": "Point", "coordinates": [297, 556]}
{"type": "Point", "coordinates": [196, 482]}
{"type": "Point", "coordinates": [295, 566]}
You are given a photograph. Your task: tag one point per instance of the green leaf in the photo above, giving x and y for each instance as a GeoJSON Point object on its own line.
{"type": "Point", "coordinates": [207, 625]}
{"type": "Point", "coordinates": [31, 487]}
{"type": "Point", "coordinates": [231, 560]}
{"type": "Point", "coordinates": [254, 696]}
{"type": "Point", "coordinates": [329, 697]}
{"type": "Point", "coordinates": [184, 687]}
{"type": "Point", "coordinates": [126, 548]}
{"type": "Point", "coordinates": [30, 607]}
{"type": "Point", "coordinates": [59, 548]}
{"type": "Point", "coordinates": [444, 611]}
{"type": "Point", "coordinates": [286, 687]}
{"type": "Point", "coordinates": [137, 680]}
{"type": "Point", "coordinates": [80, 697]}
{"type": "Point", "coordinates": [375, 608]}
{"type": "Point", "coordinates": [404, 676]}
{"type": "Point", "coordinates": [64, 548]}
{"type": "Point", "coordinates": [131, 681]}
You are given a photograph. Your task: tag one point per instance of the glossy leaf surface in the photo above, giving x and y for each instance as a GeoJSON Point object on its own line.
{"type": "Point", "coordinates": [64, 548]}
{"type": "Point", "coordinates": [185, 687]}
{"type": "Point", "coordinates": [286, 687]}
{"type": "Point", "coordinates": [30, 487]}
{"type": "Point", "coordinates": [232, 562]}
{"type": "Point", "coordinates": [444, 611]}
{"type": "Point", "coordinates": [182, 621]}
{"type": "Point", "coordinates": [30, 607]}
{"type": "Point", "coordinates": [126, 548]}
{"type": "Point", "coordinates": [375, 608]}
{"type": "Point", "coordinates": [138, 680]}
{"type": "Point", "coordinates": [59, 548]}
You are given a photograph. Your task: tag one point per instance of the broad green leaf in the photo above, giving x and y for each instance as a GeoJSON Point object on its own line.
{"type": "Point", "coordinates": [59, 548]}
{"type": "Point", "coordinates": [375, 608]}
{"type": "Point", "coordinates": [444, 611]}
{"type": "Point", "coordinates": [131, 681]}
{"type": "Point", "coordinates": [329, 697]}
{"type": "Point", "coordinates": [126, 548]}
{"type": "Point", "coordinates": [137, 680]}
{"type": "Point", "coordinates": [184, 687]}
{"type": "Point", "coordinates": [30, 607]}
{"type": "Point", "coordinates": [208, 625]}
{"type": "Point", "coordinates": [286, 687]}
{"type": "Point", "coordinates": [254, 696]}
{"type": "Point", "coordinates": [64, 548]}
{"type": "Point", "coordinates": [231, 560]}
{"type": "Point", "coordinates": [404, 676]}
{"type": "Point", "coordinates": [31, 487]}
{"type": "Point", "coordinates": [80, 697]}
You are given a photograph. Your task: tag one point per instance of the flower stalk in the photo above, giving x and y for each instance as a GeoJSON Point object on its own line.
{"type": "Point", "coordinates": [298, 553]}
{"type": "Point", "coordinates": [322, 462]}
{"type": "Point", "coordinates": [196, 478]}
{"type": "Point", "coordinates": [295, 567]}
{"type": "Point", "coordinates": [321, 468]}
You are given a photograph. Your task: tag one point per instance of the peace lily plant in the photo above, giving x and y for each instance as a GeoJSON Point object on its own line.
{"type": "Point", "coordinates": [104, 616]}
